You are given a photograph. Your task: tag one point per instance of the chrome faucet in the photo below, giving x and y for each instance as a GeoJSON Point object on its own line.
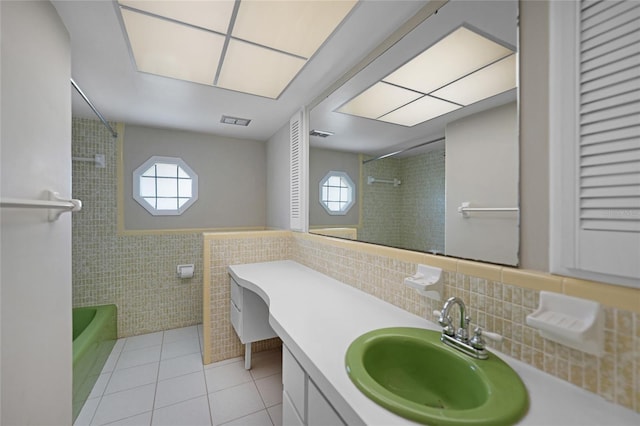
{"type": "Point", "coordinates": [445, 320]}
{"type": "Point", "coordinates": [459, 339]}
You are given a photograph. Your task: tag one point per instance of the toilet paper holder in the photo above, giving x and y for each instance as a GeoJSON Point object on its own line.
{"type": "Point", "coordinates": [185, 271]}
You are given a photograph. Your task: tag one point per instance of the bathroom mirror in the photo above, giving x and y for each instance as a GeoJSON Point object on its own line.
{"type": "Point", "coordinates": [445, 185]}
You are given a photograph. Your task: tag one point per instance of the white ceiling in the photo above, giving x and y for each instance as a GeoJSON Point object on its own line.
{"type": "Point", "coordinates": [103, 68]}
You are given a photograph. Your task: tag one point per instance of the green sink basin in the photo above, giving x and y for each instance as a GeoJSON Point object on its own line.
{"type": "Point", "coordinates": [410, 372]}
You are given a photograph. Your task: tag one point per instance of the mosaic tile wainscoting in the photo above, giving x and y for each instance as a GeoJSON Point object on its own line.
{"type": "Point", "coordinates": [136, 272]}
{"type": "Point", "coordinates": [499, 299]}
{"type": "Point", "coordinates": [221, 250]}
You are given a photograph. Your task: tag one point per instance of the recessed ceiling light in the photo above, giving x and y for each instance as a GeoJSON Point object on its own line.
{"type": "Point", "coordinates": [418, 111]}
{"type": "Point", "coordinates": [297, 27]}
{"type": "Point", "coordinates": [458, 54]}
{"type": "Point", "coordinates": [172, 50]}
{"type": "Point", "coordinates": [489, 81]}
{"type": "Point", "coordinates": [462, 68]}
{"type": "Point", "coordinates": [379, 99]}
{"type": "Point", "coordinates": [253, 69]}
{"type": "Point", "coordinates": [256, 47]}
{"type": "Point", "coordinates": [213, 15]}
{"type": "Point", "coordinates": [226, 119]}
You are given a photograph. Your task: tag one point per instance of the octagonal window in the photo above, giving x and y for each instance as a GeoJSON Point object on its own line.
{"type": "Point", "coordinates": [165, 186]}
{"type": "Point", "coordinates": [337, 193]}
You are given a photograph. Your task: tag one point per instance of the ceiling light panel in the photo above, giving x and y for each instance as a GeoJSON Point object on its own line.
{"type": "Point", "coordinates": [489, 81]}
{"type": "Point", "coordinates": [378, 100]}
{"type": "Point", "coordinates": [419, 111]}
{"type": "Point", "coordinates": [252, 69]}
{"type": "Point", "coordinates": [213, 15]}
{"type": "Point", "coordinates": [297, 27]}
{"type": "Point", "coordinates": [458, 54]}
{"type": "Point", "coordinates": [172, 50]}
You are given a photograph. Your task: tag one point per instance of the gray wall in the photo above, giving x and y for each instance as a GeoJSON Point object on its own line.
{"type": "Point", "coordinates": [278, 179]}
{"type": "Point", "coordinates": [534, 135]}
{"type": "Point", "coordinates": [232, 176]}
{"type": "Point", "coordinates": [482, 168]}
{"type": "Point", "coordinates": [321, 162]}
{"type": "Point", "coordinates": [36, 254]}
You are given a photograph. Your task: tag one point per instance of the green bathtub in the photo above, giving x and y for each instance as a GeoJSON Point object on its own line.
{"type": "Point", "coordinates": [94, 335]}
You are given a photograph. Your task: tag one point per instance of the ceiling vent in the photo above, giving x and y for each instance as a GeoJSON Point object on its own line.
{"type": "Point", "coordinates": [235, 120]}
{"type": "Point", "coordinates": [320, 133]}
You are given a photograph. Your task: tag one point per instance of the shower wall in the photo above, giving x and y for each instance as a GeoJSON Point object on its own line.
{"type": "Point", "coordinates": [410, 215]}
{"type": "Point", "coordinates": [135, 272]}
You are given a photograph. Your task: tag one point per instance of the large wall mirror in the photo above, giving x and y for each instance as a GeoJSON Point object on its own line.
{"type": "Point", "coordinates": [427, 134]}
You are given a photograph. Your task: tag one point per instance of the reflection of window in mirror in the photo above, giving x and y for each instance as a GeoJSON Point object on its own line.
{"type": "Point", "coordinates": [165, 186]}
{"type": "Point", "coordinates": [337, 193]}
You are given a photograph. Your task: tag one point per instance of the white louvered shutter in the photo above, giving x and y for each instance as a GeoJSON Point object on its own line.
{"type": "Point", "coordinates": [608, 125]}
{"type": "Point", "coordinates": [297, 166]}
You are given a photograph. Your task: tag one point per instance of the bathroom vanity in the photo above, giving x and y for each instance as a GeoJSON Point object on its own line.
{"type": "Point", "coordinates": [318, 317]}
{"type": "Point", "coordinates": [249, 317]}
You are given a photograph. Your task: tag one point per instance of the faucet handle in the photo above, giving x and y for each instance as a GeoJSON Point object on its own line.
{"type": "Point", "coordinates": [445, 322]}
{"type": "Point", "coordinates": [478, 342]}
{"type": "Point", "coordinates": [492, 336]}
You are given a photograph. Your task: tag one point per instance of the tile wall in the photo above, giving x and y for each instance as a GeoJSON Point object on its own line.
{"type": "Point", "coordinates": [395, 216]}
{"type": "Point", "coordinates": [135, 272]}
{"type": "Point", "coordinates": [380, 219]}
{"type": "Point", "coordinates": [221, 250]}
{"type": "Point", "coordinates": [499, 299]}
{"type": "Point", "coordinates": [423, 201]}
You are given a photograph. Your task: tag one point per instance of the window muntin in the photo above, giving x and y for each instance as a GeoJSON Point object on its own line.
{"type": "Point", "coordinates": [337, 193]}
{"type": "Point", "coordinates": [165, 186]}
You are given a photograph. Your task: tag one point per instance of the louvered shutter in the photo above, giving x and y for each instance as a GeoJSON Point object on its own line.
{"type": "Point", "coordinates": [297, 167]}
{"type": "Point", "coordinates": [608, 167]}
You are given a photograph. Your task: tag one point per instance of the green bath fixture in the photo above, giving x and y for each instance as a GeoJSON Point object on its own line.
{"type": "Point", "coordinates": [410, 372]}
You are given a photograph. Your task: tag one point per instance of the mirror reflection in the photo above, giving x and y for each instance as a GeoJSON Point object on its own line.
{"type": "Point", "coordinates": [427, 136]}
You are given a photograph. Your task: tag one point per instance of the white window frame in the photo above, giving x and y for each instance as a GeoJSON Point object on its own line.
{"type": "Point", "coordinates": [138, 172]}
{"type": "Point", "coordinates": [614, 258]}
{"type": "Point", "coordinates": [351, 195]}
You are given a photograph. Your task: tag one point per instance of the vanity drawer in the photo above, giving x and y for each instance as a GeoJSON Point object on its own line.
{"type": "Point", "coordinates": [319, 410]}
{"type": "Point", "coordinates": [294, 380]}
{"type": "Point", "coordinates": [290, 416]}
{"type": "Point", "coordinates": [236, 319]}
{"type": "Point", "coordinates": [236, 293]}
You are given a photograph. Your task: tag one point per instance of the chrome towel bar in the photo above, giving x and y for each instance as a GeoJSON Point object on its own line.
{"type": "Point", "coordinates": [54, 204]}
{"type": "Point", "coordinates": [465, 208]}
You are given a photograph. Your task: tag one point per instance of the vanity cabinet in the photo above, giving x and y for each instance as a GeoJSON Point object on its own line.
{"type": "Point", "coordinates": [250, 318]}
{"type": "Point", "coordinates": [302, 401]}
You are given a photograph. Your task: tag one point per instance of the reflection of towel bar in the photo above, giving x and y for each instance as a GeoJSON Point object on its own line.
{"type": "Point", "coordinates": [395, 182]}
{"type": "Point", "coordinates": [55, 204]}
{"type": "Point", "coordinates": [97, 159]}
{"type": "Point", "coordinates": [464, 209]}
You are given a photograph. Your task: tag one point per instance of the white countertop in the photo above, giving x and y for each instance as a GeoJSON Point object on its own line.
{"type": "Point", "coordinates": [317, 318]}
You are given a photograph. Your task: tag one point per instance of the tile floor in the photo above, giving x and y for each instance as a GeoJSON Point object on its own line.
{"type": "Point", "coordinates": [159, 379]}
